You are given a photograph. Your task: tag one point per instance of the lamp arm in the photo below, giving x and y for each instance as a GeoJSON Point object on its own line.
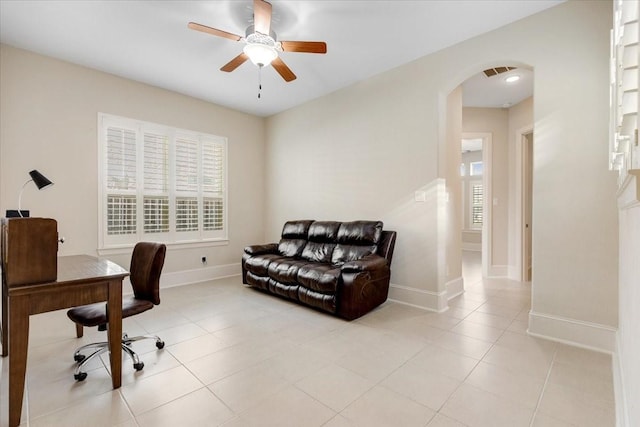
{"type": "Point", "coordinates": [20, 197]}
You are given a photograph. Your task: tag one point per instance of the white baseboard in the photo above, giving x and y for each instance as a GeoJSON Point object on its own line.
{"type": "Point", "coordinates": [622, 416]}
{"type": "Point", "coordinates": [592, 336]}
{"type": "Point", "coordinates": [426, 300]}
{"type": "Point", "coordinates": [469, 246]}
{"type": "Point", "coordinates": [454, 287]}
{"type": "Point", "coordinates": [498, 271]}
{"type": "Point", "coordinates": [177, 278]}
{"type": "Point", "coordinates": [514, 273]}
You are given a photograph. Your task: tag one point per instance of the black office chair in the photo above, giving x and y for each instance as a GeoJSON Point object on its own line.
{"type": "Point", "coordinates": [146, 265]}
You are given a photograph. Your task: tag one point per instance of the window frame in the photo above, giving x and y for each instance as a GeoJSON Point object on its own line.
{"type": "Point", "coordinates": [108, 242]}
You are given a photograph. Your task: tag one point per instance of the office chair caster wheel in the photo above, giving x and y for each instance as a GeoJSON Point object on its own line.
{"type": "Point", "coordinates": [80, 377]}
{"type": "Point", "coordinates": [79, 358]}
{"type": "Point", "coordinates": [160, 344]}
{"type": "Point", "coordinates": [138, 366]}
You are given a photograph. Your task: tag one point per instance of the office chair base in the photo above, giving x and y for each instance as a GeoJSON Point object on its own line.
{"type": "Point", "coordinates": [101, 347]}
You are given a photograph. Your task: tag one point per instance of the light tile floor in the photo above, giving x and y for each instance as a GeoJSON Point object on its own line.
{"type": "Point", "coordinates": [237, 357]}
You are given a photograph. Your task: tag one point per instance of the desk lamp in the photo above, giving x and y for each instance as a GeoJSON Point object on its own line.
{"type": "Point", "coordinates": [39, 180]}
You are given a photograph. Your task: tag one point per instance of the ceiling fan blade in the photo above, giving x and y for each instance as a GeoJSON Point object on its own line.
{"type": "Point", "coordinates": [234, 63]}
{"type": "Point", "coordinates": [214, 31]}
{"type": "Point", "coordinates": [306, 47]}
{"type": "Point", "coordinates": [283, 70]}
{"type": "Point", "coordinates": [261, 16]}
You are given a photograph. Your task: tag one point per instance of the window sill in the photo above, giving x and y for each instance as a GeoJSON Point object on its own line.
{"type": "Point", "coordinates": [125, 249]}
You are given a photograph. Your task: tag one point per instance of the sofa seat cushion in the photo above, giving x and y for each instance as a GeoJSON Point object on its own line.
{"type": "Point", "coordinates": [326, 302]}
{"type": "Point", "coordinates": [320, 277]}
{"type": "Point", "coordinates": [286, 290]}
{"type": "Point", "coordinates": [259, 264]}
{"type": "Point", "coordinates": [285, 270]}
{"type": "Point", "coordinates": [261, 282]}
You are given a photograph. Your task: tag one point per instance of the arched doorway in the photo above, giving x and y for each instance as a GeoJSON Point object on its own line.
{"type": "Point", "coordinates": [504, 244]}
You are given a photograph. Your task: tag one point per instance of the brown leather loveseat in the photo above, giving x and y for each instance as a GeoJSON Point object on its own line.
{"type": "Point", "coordinates": [339, 267]}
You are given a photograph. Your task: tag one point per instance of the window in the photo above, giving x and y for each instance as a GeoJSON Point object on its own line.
{"type": "Point", "coordinates": [160, 183]}
{"type": "Point", "coordinates": [476, 168]}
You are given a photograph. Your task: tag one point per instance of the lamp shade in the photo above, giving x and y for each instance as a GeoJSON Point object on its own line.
{"type": "Point", "coordinates": [39, 180]}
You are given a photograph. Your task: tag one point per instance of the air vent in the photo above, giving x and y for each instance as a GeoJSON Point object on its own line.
{"type": "Point", "coordinates": [497, 70]}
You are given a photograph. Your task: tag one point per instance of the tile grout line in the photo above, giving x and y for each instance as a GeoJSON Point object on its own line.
{"type": "Point", "coordinates": [544, 388]}
{"type": "Point", "coordinates": [471, 371]}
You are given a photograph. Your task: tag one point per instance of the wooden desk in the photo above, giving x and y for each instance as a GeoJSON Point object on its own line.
{"type": "Point", "coordinates": [81, 280]}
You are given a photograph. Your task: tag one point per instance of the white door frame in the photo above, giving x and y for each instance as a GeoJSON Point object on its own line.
{"type": "Point", "coordinates": [487, 224]}
{"type": "Point", "coordinates": [519, 240]}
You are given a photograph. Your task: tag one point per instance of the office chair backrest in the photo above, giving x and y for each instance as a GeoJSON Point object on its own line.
{"type": "Point", "coordinates": [146, 265]}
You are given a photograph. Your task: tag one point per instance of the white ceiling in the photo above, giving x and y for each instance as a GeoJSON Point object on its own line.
{"type": "Point", "coordinates": [494, 91]}
{"type": "Point", "coordinates": [474, 144]}
{"type": "Point", "coordinates": [149, 41]}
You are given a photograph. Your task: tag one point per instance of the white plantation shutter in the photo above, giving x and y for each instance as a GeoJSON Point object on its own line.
{"type": "Point", "coordinates": [156, 163]}
{"type": "Point", "coordinates": [477, 196]}
{"type": "Point", "coordinates": [121, 159]}
{"type": "Point", "coordinates": [121, 181]}
{"type": "Point", "coordinates": [213, 185]}
{"type": "Point", "coordinates": [186, 213]}
{"type": "Point", "coordinates": [122, 214]}
{"type": "Point", "coordinates": [186, 185]}
{"type": "Point", "coordinates": [625, 88]}
{"type": "Point", "coordinates": [156, 183]}
{"type": "Point", "coordinates": [186, 165]}
{"type": "Point", "coordinates": [173, 180]}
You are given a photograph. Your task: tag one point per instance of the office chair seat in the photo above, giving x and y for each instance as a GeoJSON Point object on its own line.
{"type": "Point", "coordinates": [96, 315]}
{"type": "Point", "coordinates": [147, 261]}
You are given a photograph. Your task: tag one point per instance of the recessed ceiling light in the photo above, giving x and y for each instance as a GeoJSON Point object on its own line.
{"type": "Point", "coordinates": [512, 79]}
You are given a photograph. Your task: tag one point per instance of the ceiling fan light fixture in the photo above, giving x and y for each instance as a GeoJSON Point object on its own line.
{"type": "Point", "coordinates": [260, 54]}
{"type": "Point", "coordinates": [261, 45]}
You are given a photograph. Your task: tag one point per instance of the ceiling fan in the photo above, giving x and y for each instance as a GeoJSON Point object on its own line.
{"type": "Point", "coordinates": [261, 45]}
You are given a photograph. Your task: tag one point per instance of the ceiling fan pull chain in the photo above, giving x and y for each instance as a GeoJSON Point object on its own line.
{"type": "Point", "coordinates": [259, 81]}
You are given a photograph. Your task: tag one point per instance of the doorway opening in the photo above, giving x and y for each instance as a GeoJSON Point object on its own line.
{"type": "Point", "coordinates": [475, 173]}
{"type": "Point", "coordinates": [502, 234]}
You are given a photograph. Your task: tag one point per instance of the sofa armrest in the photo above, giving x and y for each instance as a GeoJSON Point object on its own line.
{"type": "Point", "coordinates": [370, 262]}
{"type": "Point", "coordinates": [269, 248]}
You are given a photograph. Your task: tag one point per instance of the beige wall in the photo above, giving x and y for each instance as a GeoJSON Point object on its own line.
{"type": "Point", "coordinates": [450, 171]}
{"type": "Point", "coordinates": [48, 122]}
{"type": "Point", "coordinates": [363, 151]}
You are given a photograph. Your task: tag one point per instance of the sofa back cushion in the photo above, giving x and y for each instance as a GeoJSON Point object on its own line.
{"type": "Point", "coordinates": [294, 237]}
{"type": "Point", "coordinates": [322, 237]}
{"type": "Point", "coordinates": [356, 240]}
